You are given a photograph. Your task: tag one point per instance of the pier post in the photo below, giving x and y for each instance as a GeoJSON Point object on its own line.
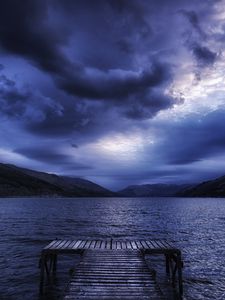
{"type": "Point", "coordinates": [42, 273]}
{"type": "Point", "coordinates": [54, 263]}
{"type": "Point", "coordinates": [167, 264]}
{"type": "Point", "coordinates": [180, 279]}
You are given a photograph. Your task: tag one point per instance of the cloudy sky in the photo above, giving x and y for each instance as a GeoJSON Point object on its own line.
{"type": "Point", "coordinates": [119, 92]}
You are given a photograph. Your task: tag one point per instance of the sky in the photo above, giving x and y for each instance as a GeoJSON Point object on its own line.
{"type": "Point", "coordinates": [115, 91]}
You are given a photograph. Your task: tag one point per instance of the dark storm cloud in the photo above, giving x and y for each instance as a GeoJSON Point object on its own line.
{"type": "Point", "coordinates": [195, 138]}
{"type": "Point", "coordinates": [23, 104]}
{"type": "Point", "coordinates": [42, 115]}
{"type": "Point", "coordinates": [203, 54]}
{"type": "Point", "coordinates": [24, 32]}
{"type": "Point", "coordinates": [59, 123]}
{"type": "Point", "coordinates": [197, 41]}
{"type": "Point", "coordinates": [45, 116]}
{"type": "Point", "coordinates": [194, 21]}
{"type": "Point", "coordinates": [74, 146]}
{"type": "Point", "coordinates": [114, 84]}
{"type": "Point", "coordinates": [99, 69]}
{"type": "Point", "coordinates": [125, 46]}
{"type": "Point", "coordinates": [27, 29]}
{"type": "Point", "coordinates": [30, 35]}
{"type": "Point", "coordinates": [43, 155]}
{"type": "Point", "coordinates": [51, 156]}
{"type": "Point", "coordinates": [148, 105]}
{"type": "Point", "coordinates": [13, 101]}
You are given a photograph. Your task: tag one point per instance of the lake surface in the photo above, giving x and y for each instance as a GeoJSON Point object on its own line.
{"type": "Point", "coordinates": [196, 226]}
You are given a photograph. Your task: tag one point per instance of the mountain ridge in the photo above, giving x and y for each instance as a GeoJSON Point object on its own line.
{"type": "Point", "coordinates": [153, 190]}
{"type": "Point", "coordinates": [209, 188]}
{"type": "Point", "coordinates": [15, 181]}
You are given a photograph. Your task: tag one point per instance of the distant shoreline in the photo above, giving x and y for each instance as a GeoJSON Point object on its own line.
{"type": "Point", "coordinates": [19, 182]}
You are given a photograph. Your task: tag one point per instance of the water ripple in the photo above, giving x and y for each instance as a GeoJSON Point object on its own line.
{"type": "Point", "coordinates": [195, 225]}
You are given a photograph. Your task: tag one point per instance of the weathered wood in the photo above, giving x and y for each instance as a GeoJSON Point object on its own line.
{"type": "Point", "coordinates": [53, 243]}
{"type": "Point", "coordinates": [109, 265]}
{"type": "Point", "coordinates": [94, 277]}
{"type": "Point", "coordinates": [133, 244]}
{"type": "Point", "coordinates": [128, 244]}
{"type": "Point", "coordinates": [108, 245]}
{"type": "Point", "coordinates": [113, 244]}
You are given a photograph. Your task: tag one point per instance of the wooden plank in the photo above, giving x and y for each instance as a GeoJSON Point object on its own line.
{"type": "Point", "coordinates": [96, 297]}
{"type": "Point", "coordinates": [108, 244]}
{"type": "Point", "coordinates": [66, 245]}
{"type": "Point", "coordinates": [128, 244]}
{"type": "Point", "coordinates": [60, 246]}
{"type": "Point", "coordinates": [80, 295]}
{"type": "Point", "coordinates": [134, 246]}
{"type": "Point", "coordinates": [118, 245]}
{"type": "Point", "coordinates": [57, 244]}
{"type": "Point", "coordinates": [111, 260]}
{"type": "Point", "coordinates": [122, 272]}
{"type": "Point", "coordinates": [139, 245]}
{"type": "Point", "coordinates": [151, 246]}
{"type": "Point", "coordinates": [124, 245]}
{"type": "Point", "coordinates": [142, 244]}
{"type": "Point", "coordinates": [112, 274]}
{"type": "Point", "coordinates": [169, 245]}
{"type": "Point", "coordinates": [143, 278]}
{"type": "Point", "coordinates": [101, 267]}
{"type": "Point", "coordinates": [92, 245]}
{"type": "Point", "coordinates": [103, 245]}
{"type": "Point", "coordinates": [52, 244]}
{"type": "Point", "coordinates": [164, 244]}
{"type": "Point", "coordinates": [160, 244]}
{"type": "Point", "coordinates": [76, 245]}
{"type": "Point", "coordinates": [87, 245]}
{"type": "Point", "coordinates": [113, 267]}
{"type": "Point", "coordinates": [119, 286]}
{"type": "Point", "coordinates": [113, 245]}
{"type": "Point", "coordinates": [98, 245]}
{"type": "Point", "coordinates": [155, 244]}
{"type": "Point", "coordinates": [72, 244]}
{"type": "Point", "coordinates": [82, 244]}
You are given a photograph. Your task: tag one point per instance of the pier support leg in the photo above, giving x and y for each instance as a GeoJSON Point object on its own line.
{"type": "Point", "coordinates": [167, 264]}
{"type": "Point", "coordinates": [180, 279]}
{"type": "Point", "coordinates": [54, 263]}
{"type": "Point", "coordinates": [42, 274]}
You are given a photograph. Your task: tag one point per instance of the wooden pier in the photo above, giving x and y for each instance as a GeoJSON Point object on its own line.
{"type": "Point", "coordinates": [112, 269]}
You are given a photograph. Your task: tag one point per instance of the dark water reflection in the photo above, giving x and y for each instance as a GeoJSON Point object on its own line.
{"type": "Point", "coordinates": [195, 225]}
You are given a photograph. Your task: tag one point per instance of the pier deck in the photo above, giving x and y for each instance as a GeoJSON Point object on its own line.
{"type": "Point", "coordinates": [112, 269]}
{"type": "Point", "coordinates": [113, 275]}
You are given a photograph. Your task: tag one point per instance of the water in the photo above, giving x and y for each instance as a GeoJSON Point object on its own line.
{"type": "Point", "coordinates": [195, 225]}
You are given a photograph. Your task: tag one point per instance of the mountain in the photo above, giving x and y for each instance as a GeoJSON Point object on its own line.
{"type": "Point", "coordinates": [71, 185]}
{"type": "Point", "coordinates": [15, 181]}
{"type": "Point", "coordinates": [210, 188]}
{"type": "Point", "coordinates": [18, 182]}
{"type": "Point", "coordinates": [153, 190]}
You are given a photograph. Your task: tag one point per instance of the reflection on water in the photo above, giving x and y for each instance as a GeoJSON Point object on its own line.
{"type": "Point", "coordinates": [195, 225]}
